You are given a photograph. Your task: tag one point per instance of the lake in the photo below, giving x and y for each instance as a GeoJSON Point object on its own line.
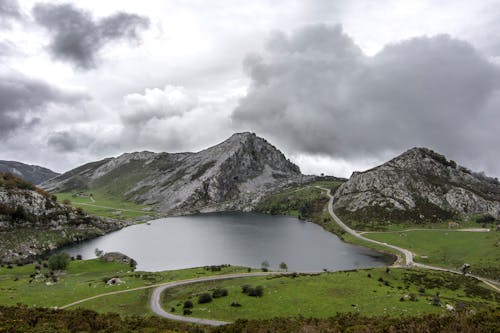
{"type": "Point", "coordinates": [245, 239]}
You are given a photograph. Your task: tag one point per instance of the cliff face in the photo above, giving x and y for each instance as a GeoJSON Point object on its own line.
{"type": "Point", "coordinates": [418, 185]}
{"type": "Point", "coordinates": [233, 175]}
{"type": "Point", "coordinates": [32, 173]}
{"type": "Point", "coordinates": [32, 223]}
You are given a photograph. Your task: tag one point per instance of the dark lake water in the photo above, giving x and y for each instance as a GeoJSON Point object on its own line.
{"type": "Point", "coordinates": [245, 239]}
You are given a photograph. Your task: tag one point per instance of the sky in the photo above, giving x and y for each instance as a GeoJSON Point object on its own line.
{"type": "Point", "coordinates": [338, 86]}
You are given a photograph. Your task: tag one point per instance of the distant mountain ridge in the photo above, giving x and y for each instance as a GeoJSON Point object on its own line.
{"type": "Point", "coordinates": [233, 175]}
{"type": "Point", "coordinates": [419, 184]}
{"type": "Point", "coordinates": [32, 173]}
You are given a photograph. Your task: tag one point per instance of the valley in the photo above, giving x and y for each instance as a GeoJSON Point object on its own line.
{"type": "Point", "coordinates": [242, 204]}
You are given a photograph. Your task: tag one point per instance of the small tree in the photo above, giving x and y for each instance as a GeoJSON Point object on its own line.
{"type": "Point", "coordinates": [59, 261]}
{"type": "Point", "coordinates": [265, 265]}
{"type": "Point", "coordinates": [188, 304]}
{"type": "Point", "coordinates": [284, 266]}
{"type": "Point", "coordinates": [204, 298]}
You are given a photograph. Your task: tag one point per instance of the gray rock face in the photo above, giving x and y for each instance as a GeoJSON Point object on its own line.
{"type": "Point", "coordinates": [233, 175]}
{"type": "Point", "coordinates": [32, 173]}
{"type": "Point", "coordinates": [40, 215]}
{"type": "Point", "coordinates": [419, 184]}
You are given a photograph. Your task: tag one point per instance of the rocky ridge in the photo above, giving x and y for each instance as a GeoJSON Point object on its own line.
{"type": "Point", "coordinates": [32, 222]}
{"type": "Point", "coordinates": [233, 175]}
{"type": "Point", "coordinates": [32, 173]}
{"type": "Point", "coordinates": [420, 184]}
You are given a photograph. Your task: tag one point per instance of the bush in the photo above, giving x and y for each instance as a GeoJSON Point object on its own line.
{"type": "Point", "coordinates": [204, 298]}
{"type": "Point", "coordinates": [187, 312]}
{"type": "Point", "coordinates": [245, 288]}
{"type": "Point", "coordinates": [188, 305]}
{"type": "Point", "coordinates": [487, 218]}
{"type": "Point", "coordinates": [219, 292]}
{"type": "Point", "coordinates": [59, 261]}
{"type": "Point", "coordinates": [256, 292]}
{"type": "Point", "coordinates": [19, 214]}
{"type": "Point", "coordinates": [235, 305]}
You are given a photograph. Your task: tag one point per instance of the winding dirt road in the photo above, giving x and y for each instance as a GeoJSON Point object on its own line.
{"type": "Point", "coordinates": [408, 255]}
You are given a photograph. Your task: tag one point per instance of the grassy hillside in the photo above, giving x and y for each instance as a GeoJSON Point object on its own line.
{"type": "Point", "coordinates": [306, 202]}
{"type": "Point", "coordinates": [372, 292]}
{"type": "Point", "coordinates": [83, 278]}
{"type": "Point", "coordinates": [105, 205]}
{"type": "Point", "coordinates": [450, 248]}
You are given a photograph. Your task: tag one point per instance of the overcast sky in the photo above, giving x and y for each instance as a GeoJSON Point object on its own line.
{"type": "Point", "coordinates": [337, 85]}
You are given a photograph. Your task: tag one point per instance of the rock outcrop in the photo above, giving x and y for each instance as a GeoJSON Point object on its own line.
{"type": "Point", "coordinates": [31, 173]}
{"type": "Point", "coordinates": [233, 175]}
{"type": "Point", "coordinates": [418, 185]}
{"type": "Point", "coordinates": [32, 222]}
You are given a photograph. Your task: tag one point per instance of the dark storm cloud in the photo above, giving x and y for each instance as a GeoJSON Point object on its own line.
{"type": "Point", "coordinates": [23, 99]}
{"type": "Point", "coordinates": [9, 10]}
{"type": "Point", "coordinates": [316, 92]}
{"type": "Point", "coordinates": [65, 141]}
{"type": "Point", "coordinates": [77, 38]}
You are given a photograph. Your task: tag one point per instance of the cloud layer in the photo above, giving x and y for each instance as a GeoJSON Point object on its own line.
{"type": "Point", "coordinates": [9, 11]}
{"type": "Point", "coordinates": [77, 37]}
{"type": "Point", "coordinates": [315, 92]}
{"type": "Point", "coordinates": [23, 100]}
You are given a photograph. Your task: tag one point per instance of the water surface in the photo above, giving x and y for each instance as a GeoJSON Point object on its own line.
{"type": "Point", "coordinates": [245, 239]}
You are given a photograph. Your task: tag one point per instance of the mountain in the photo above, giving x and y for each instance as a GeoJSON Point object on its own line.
{"type": "Point", "coordinates": [32, 173]}
{"type": "Point", "coordinates": [233, 175]}
{"type": "Point", "coordinates": [419, 185]}
{"type": "Point", "coordinates": [32, 222]}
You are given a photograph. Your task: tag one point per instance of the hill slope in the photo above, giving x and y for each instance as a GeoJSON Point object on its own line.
{"type": "Point", "coordinates": [418, 185]}
{"type": "Point", "coordinates": [32, 173]}
{"type": "Point", "coordinates": [232, 175]}
{"type": "Point", "coordinates": [32, 222]}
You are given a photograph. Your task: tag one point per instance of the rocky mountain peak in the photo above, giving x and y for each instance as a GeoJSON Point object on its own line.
{"type": "Point", "coordinates": [418, 184]}
{"type": "Point", "coordinates": [231, 175]}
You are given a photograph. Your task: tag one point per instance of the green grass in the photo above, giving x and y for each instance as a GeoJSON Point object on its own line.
{"type": "Point", "coordinates": [84, 279]}
{"type": "Point", "coordinates": [450, 248]}
{"type": "Point", "coordinates": [112, 206]}
{"type": "Point", "coordinates": [324, 295]}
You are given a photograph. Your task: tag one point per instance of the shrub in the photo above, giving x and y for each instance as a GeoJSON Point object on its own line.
{"type": "Point", "coordinates": [219, 292]}
{"type": "Point", "coordinates": [188, 304]}
{"type": "Point", "coordinates": [187, 312]}
{"type": "Point", "coordinates": [245, 288]}
{"type": "Point", "coordinates": [19, 214]}
{"type": "Point", "coordinates": [436, 300]}
{"type": "Point", "coordinates": [256, 292]}
{"type": "Point", "coordinates": [58, 261]}
{"type": "Point", "coordinates": [204, 298]}
{"type": "Point", "coordinates": [235, 304]}
{"type": "Point", "coordinates": [487, 218]}
{"type": "Point", "coordinates": [79, 257]}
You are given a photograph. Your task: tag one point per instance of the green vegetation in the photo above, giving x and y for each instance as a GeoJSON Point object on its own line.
{"type": "Point", "coordinates": [307, 202]}
{"type": "Point", "coordinates": [85, 278]}
{"type": "Point", "coordinates": [20, 320]}
{"type": "Point", "coordinates": [105, 205]}
{"type": "Point", "coordinates": [375, 292]}
{"type": "Point", "coordinates": [58, 261]}
{"type": "Point", "coordinates": [450, 248]}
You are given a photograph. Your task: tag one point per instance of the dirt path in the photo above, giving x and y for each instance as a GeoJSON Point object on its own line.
{"type": "Point", "coordinates": [407, 254]}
